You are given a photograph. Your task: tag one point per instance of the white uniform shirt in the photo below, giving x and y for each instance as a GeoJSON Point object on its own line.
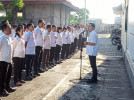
{"type": "Point", "coordinates": [1, 32]}
{"type": "Point", "coordinates": [5, 48]}
{"type": "Point", "coordinates": [75, 33]}
{"type": "Point", "coordinates": [46, 39]}
{"type": "Point", "coordinates": [12, 35]}
{"type": "Point", "coordinates": [29, 38]}
{"type": "Point", "coordinates": [64, 39]}
{"type": "Point", "coordinates": [53, 39]}
{"type": "Point", "coordinates": [78, 33]}
{"type": "Point", "coordinates": [92, 50]}
{"type": "Point", "coordinates": [68, 37]}
{"type": "Point", "coordinates": [18, 47]}
{"type": "Point", "coordinates": [71, 37]}
{"type": "Point", "coordinates": [58, 39]}
{"type": "Point", "coordinates": [38, 37]}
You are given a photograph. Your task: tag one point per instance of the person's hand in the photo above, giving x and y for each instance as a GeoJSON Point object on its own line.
{"type": "Point", "coordinates": [85, 43]}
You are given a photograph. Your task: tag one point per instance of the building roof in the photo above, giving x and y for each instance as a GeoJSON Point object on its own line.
{"type": "Point", "coordinates": [117, 10]}
{"type": "Point", "coordinates": [64, 2]}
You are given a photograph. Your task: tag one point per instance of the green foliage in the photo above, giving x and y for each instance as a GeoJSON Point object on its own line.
{"type": "Point", "coordinates": [1, 6]}
{"type": "Point", "coordinates": [17, 4]}
{"type": "Point", "coordinates": [20, 19]}
{"type": "Point", "coordinates": [79, 16]}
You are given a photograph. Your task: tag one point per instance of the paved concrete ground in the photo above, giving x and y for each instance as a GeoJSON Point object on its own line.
{"type": "Point", "coordinates": [62, 81]}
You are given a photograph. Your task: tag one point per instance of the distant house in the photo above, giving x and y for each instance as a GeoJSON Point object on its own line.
{"type": "Point", "coordinates": [53, 11]}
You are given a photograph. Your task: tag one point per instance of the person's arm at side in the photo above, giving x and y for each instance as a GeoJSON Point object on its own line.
{"type": "Point", "coordinates": [26, 39]}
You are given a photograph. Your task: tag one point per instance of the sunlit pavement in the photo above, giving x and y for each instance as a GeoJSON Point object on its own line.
{"type": "Point", "coordinates": [62, 82]}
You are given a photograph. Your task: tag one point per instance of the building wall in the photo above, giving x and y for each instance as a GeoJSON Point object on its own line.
{"type": "Point", "coordinates": [52, 13]}
{"type": "Point", "coordinates": [128, 38]}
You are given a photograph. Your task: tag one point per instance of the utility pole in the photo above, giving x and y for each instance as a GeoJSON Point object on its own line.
{"type": "Point", "coordinates": [85, 14]}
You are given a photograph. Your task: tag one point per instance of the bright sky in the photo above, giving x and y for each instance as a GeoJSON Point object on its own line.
{"type": "Point", "coordinates": [99, 8]}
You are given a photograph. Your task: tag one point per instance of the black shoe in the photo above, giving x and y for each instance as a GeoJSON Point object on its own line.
{"type": "Point", "coordinates": [92, 81]}
{"type": "Point", "coordinates": [29, 78]}
{"type": "Point", "coordinates": [37, 74]}
{"type": "Point", "coordinates": [41, 71]}
{"type": "Point", "coordinates": [4, 93]}
{"type": "Point", "coordinates": [10, 90]}
{"type": "Point", "coordinates": [22, 81]}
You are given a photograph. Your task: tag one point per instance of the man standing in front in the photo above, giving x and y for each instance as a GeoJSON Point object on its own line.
{"type": "Point", "coordinates": [91, 50]}
{"type": "Point", "coordinates": [38, 49]}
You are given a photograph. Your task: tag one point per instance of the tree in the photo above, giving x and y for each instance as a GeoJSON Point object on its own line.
{"type": "Point", "coordinates": [15, 7]}
{"type": "Point", "coordinates": [79, 17]}
{"type": "Point", "coordinates": [1, 6]}
{"type": "Point", "coordinates": [11, 13]}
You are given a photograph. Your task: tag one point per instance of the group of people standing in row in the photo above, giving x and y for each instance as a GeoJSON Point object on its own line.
{"type": "Point", "coordinates": [29, 47]}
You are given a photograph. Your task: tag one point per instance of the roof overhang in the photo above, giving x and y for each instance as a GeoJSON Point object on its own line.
{"type": "Point", "coordinates": [66, 3]}
{"type": "Point", "coordinates": [117, 10]}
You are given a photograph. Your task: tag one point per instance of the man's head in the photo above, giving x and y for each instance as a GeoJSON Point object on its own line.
{"type": "Point", "coordinates": [30, 27]}
{"type": "Point", "coordinates": [15, 27]}
{"type": "Point", "coordinates": [6, 28]}
{"type": "Point", "coordinates": [91, 27]}
{"type": "Point", "coordinates": [64, 29]}
{"type": "Point", "coordinates": [49, 28]}
{"type": "Point", "coordinates": [53, 28]}
{"type": "Point", "coordinates": [41, 23]}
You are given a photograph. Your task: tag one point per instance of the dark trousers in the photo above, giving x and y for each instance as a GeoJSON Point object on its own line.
{"type": "Point", "coordinates": [68, 50]}
{"type": "Point", "coordinates": [93, 66]}
{"type": "Point", "coordinates": [18, 64]}
{"type": "Point", "coordinates": [46, 56]}
{"type": "Point", "coordinates": [57, 53]}
{"type": "Point", "coordinates": [52, 53]}
{"type": "Point", "coordinates": [5, 75]}
{"type": "Point", "coordinates": [75, 43]}
{"type": "Point", "coordinates": [72, 47]}
{"type": "Point", "coordinates": [63, 51]}
{"type": "Point", "coordinates": [29, 64]}
{"type": "Point", "coordinates": [38, 58]}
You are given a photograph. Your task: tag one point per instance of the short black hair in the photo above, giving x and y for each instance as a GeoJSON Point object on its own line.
{"type": "Point", "coordinates": [15, 26]}
{"type": "Point", "coordinates": [40, 21]}
{"type": "Point", "coordinates": [18, 29]}
{"type": "Point", "coordinates": [28, 25]}
{"type": "Point", "coordinates": [68, 27]}
{"type": "Point", "coordinates": [92, 24]}
{"type": "Point", "coordinates": [48, 26]}
{"type": "Point", "coordinates": [4, 22]}
{"type": "Point", "coordinates": [64, 28]}
{"type": "Point", "coordinates": [53, 26]}
{"type": "Point", "coordinates": [4, 26]}
{"type": "Point", "coordinates": [59, 28]}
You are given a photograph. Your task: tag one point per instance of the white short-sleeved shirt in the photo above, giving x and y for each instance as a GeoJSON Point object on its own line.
{"type": "Point", "coordinates": [68, 37]}
{"type": "Point", "coordinates": [46, 39]}
{"type": "Point", "coordinates": [64, 39]}
{"type": "Point", "coordinates": [53, 39]}
{"type": "Point", "coordinates": [75, 33]}
{"type": "Point", "coordinates": [1, 32]}
{"type": "Point", "coordinates": [78, 33]}
{"type": "Point", "coordinates": [38, 37]}
{"type": "Point", "coordinates": [29, 38]}
{"type": "Point", "coordinates": [18, 47]}
{"type": "Point", "coordinates": [58, 39]}
{"type": "Point", "coordinates": [71, 37]}
{"type": "Point", "coordinates": [93, 38]}
{"type": "Point", "coordinates": [12, 35]}
{"type": "Point", "coordinates": [5, 48]}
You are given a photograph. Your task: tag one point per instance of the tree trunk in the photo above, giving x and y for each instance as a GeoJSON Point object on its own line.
{"type": "Point", "coordinates": [14, 17]}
